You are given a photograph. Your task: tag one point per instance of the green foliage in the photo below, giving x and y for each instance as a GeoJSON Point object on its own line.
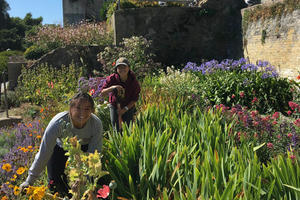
{"type": "Point", "coordinates": [104, 9]}
{"type": "Point", "coordinates": [44, 84]}
{"type": "Point", "coordinates": [171, 153]}
{"type": "Point", "coordinates": [272, 94]}
{"type": "Point", "coordinates": [4, 58]}
{"type": "Point", "coordinates": [35, 52]}
{"type": "Point", "coordinates": [138, 52]}
{"type": "Point", "coordinates": [12, 100]}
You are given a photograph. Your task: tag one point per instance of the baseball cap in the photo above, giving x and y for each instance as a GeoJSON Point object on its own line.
{"type": "Point", "coordinates": [122, 61]}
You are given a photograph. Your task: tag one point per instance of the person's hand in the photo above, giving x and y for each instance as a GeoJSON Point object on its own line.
{"type": "Point", "coordinates": [120, 90]}
{"type": "Point", "coordinates": [23, 186]}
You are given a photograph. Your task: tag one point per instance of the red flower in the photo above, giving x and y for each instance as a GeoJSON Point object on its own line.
{"type": "Point", "coordinates": [103, 192]}
{"type": "Point", "coordinates": [254, 100]}
{"type": "Point", "coordinates": [92, 91]}
{"type": "Point", "coordinates": [297, 122]}
{"type": "Point", "coordinates": [298, 77]}
{"type": "Point", "coordinates": [290, 135]}
{"type": "Point", "coordinates": [289, 112]}
{"type": "Point", "coordinates": [242, 94]}
{"type": "Point", "coordinates": [113, 64]}
{"type": "Point", "coordinates": [292, 157]}
{"type": "Point", "coordinates": [275, 115]}
{"type": "Point", "coordinates": [270, 145]}
{"type": "Point", "coordinates": [233, 96]}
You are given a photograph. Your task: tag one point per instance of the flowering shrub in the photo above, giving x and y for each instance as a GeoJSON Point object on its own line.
{"type": "Point", "coordinates": [24, 140]}
{"type": "Point", "coordinates": [50, 37]}
{"type": "Point", "coordinates": [138, 52]}
{"type": "Point", "coordinates": [233, 82]}
{"type": "Point", "coordinates": [276, 134]}
{"type": "Point", "coordinates": [44, 84]}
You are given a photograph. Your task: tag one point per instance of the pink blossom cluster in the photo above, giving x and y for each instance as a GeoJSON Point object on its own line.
{"type": "Point", "coordinates": [81, 34]}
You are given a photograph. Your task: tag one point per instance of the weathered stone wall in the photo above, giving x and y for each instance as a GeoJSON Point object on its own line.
{"type": "Point", "coordinates": [77, 55]}
{"type": "Point", "coordinates": [276, 40]}
{"type": "Point", "coordinates": [75, 11]}
{"type": "Point", "coordinates": [182, 34]}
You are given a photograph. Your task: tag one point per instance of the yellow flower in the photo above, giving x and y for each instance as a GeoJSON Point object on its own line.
{"type": "Point", "coordinates": [29, 147]}
{"type": "Point", "coordinates": [16, 190]}
{"type": "Point", "coordinates": [36, 193]}
{"type": "Point", "coordinates": [4, 198]}
{"type": "Point", "coordinates": [13, 178]}
{"type": "Point", "coordinates": [10, 186]}
{"type": "Point", "coordinates": [54, 196]}
{"type": "Point", "coordinates": [6, 167]}
{"type": "Point", "coordinates": [21, 170]}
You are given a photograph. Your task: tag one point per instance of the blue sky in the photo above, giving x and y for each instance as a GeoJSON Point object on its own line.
{"type": "Point", "coordinates": [50, 10]}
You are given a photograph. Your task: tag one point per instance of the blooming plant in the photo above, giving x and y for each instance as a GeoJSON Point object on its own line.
{"type": "Point", "coordinates": [50, 37]}
{"type": "Point", "coordinates": [84, 170]}
{"type": "Point", "coordinates": [232, 82]}
{"type": "Point", "coordinates": [15, 163]}
{"type": "Point", "coordinates": [138, 52]}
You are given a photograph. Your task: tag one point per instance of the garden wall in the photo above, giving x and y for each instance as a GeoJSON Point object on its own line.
{"type": "Point", "coordinates": [183, 34]}
{"type": "Point", "coordinates": [276, 40]}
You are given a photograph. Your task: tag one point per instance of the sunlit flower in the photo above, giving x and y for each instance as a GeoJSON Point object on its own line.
{"type": "Point", "coordinates": [103, 192]}
{"type": "Point", "coordinates": [289, 112]}
{"type": "Point", "coordinates": [91, 92]}
{"type": "Point", "coordinates": [290, 135]}
{"type": "Point", "coordinates": [6, 167]}
{"type": "Point", "coordinates": [38, 136]}
{"type": "Point", "coordinates": [21, 170]}
{"type": "Point", "coordinates": [292, 157]}
{"type": "Point", "coordinates": [4, 198]}
{"type": "Point", "coordinates": [298, 77]}
{"type": "Point", "coordinates": [16, 190]}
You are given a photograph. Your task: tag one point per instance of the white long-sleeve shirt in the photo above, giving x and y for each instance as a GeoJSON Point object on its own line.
{"type": "Point", "coordinates": [90, 134]}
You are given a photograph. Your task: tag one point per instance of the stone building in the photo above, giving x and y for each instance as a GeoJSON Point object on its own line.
{"type": "Point", "coordinates": [75, 11]}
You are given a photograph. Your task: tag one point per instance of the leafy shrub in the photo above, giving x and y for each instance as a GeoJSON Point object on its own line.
{"type": "Point", "coordinates": [138, 52]}
{"type": "Point", "coordinates": [43, 84]}
{"type": "Point", "coordinates": [50, 37]}
{"type": "Point", "coordinates": [237, 82]}
{"type": "Point", "coordinates": [4, 58]}
{"type": "Point", "coordinates": [35, 52]}
{"type": "Point", "coordinates": [12, 100]}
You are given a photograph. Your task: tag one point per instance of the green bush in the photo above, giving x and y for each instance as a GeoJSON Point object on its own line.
{"type": "Point", "coordinates": [138, 52]}
{"type": "Point", "coordinates": [35, 52]}
{"type": "Point", "coordinates": [4, 58]}
{"type": "Point", "coordinates": [12, 100]}
{"type": "Point", "coordinates": [44, 84]}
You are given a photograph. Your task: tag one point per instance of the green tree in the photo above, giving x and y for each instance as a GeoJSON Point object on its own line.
{"type": "Point", "coordinates": [4, 16]}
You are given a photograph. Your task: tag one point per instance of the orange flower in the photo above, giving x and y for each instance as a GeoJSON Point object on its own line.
{"type": "Point", "coordinates": [298, 77]}
{"type": "Point", "coordinates": [6, 167]}
{"type": "Point", "coordinates": [38, 136]}
{"type": "Point", "coordinates": [21, 170]}
{"type": "Point", "coordinates": [29, 147]}
{"type": "Point", "coordinates": [42, 110]}
{"type": "Point", "coordinates": [4, 198]}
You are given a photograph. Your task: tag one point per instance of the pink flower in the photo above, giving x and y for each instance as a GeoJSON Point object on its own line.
{"type": "Point", "coordinates": [255, 123]}
{"type": "Point", "coordinates": [270, 145]}
{"type": "Point", "coordinates": [292, 157]}
{"type": "Point", "coordinates": [274, 122]}
{"type": "Point", "coordinates": [275, 115]}
{"type": "Point", "coordinates": [242, 94]}
{"type": "Point", "coordinates": [233, 96]}
{"type": "Point", "coordinates": [289, 112]}
{"type": "Point", "coordinates": [290, 135]}
{"type": "Point", "coordinates": [254, 100]}
{"type": "Point", "coordinates": [297, 122]}
{"type": "Point", "coordinates": [279, 136]}
{"type": "Point", "coordinates": [103, 192]}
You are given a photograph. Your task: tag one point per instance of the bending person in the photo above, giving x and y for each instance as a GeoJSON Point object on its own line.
{"type": "Point", "coordinates": [83, 124]}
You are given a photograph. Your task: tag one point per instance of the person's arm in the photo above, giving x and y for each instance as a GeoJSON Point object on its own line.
{"type": "Point", "coordinates": [130, 105]}
{"type": "Point", "coordinates": [96, 140]}
{"type": "Point", "coordinates": [44, 154]}
{"type": "Point", "coordinates": [106, 91]}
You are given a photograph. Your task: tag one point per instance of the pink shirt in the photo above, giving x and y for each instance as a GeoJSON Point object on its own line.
{"type": "Point", "coordinates": [131, 85]}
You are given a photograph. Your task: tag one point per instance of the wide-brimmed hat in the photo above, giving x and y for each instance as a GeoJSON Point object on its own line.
{"type": "Point", "coordinates": [122, 61]}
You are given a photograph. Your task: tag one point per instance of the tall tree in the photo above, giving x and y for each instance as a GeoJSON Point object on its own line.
{"type": "Point", "coordinates": [4, 16]}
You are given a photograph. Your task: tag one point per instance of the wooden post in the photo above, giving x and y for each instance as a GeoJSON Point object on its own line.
{"type": "Point", "coordinates": [5, 94]}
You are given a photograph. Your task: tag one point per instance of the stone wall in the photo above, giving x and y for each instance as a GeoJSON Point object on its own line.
{"type": "Point", "coordinates": [75, 11]}
{"type": "Point", "coordinates": [182, 34]}
{"type": "Point", "coordinates": [276, 40]}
